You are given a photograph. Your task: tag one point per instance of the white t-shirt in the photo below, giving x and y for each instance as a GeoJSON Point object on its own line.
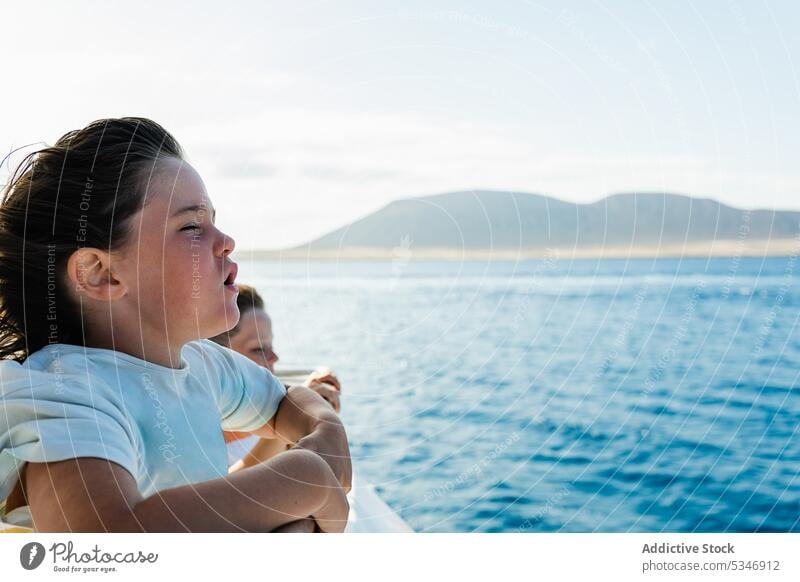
{"type": "Point", "coordinates": [164, 425]}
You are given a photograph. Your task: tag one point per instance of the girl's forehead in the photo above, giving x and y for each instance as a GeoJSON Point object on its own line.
{"type": "Point", "coordinates": [176, 186]}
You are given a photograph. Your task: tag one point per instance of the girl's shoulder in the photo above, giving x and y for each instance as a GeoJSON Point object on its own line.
{"type": "Point", "coordinates": [227, 370]}
{"type": "Point", "coordinates": [99, 362]}
{"type": "Point", "coordinates": [68, 374]}
{"type": "Point", "coordinates": [60, 373]}
{"type": "Point", "coordinates": [204, 352]}
{"type": "Point", "coordinates": [201, 346]}
{"type": "Point", "coordinates": [64, 358]}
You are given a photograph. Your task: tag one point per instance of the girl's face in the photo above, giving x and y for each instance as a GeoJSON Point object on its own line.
{"type": "Point", "coordinates": [254, 338]}
{"type": "Point", "coordinates": [177, 261]}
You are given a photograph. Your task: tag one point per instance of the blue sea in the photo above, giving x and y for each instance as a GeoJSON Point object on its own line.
{"type": "Point", "coordinates": [559, 395]}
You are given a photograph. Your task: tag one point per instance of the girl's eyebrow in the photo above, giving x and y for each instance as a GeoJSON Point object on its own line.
{"type": "Point", "coordinates": [196, 208]}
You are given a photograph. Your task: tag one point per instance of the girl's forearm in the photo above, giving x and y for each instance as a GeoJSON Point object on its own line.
{"type": "Point", "coordinates": [305, 419]}
{"type": "Point", "coordinates": [329, 441]}
{"type": "Point", "coordinates": [289, 487]}
{"type": "Point", "coordinates": [263, 450]}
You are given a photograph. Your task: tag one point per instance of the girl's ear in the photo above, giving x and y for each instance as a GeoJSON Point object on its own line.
{"type": "Point", "coordinates": [90, 275]}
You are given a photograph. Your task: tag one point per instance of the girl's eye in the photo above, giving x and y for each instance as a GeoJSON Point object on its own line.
{"type": "Point", "coordinates": [195, 227]}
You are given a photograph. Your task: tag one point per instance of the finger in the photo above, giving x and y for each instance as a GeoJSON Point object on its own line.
{"type": "Point", "coordinates": [328, 376]}
{"type": "Point", "coordinates": [335, 402]}
{"type": "Point", "coordinates": [332, 380]}
{"type": "Point", "coordinates": [321, 387]}
{"type": "Point", "coordinates": [332, 399]}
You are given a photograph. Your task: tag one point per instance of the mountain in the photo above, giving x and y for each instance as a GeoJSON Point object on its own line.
{"type": "Point", "coordinates": [485, 220]}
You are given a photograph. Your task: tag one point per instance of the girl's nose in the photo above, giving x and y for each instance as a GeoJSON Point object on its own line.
{"type": "Point", "coordinates": [228, 244]}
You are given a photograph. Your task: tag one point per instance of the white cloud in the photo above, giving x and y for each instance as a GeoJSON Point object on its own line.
{"type": "Point", "coordinates": [301, 120]}
{"type": "Point", "coordinates": [326, 168]}
{"type": "Point", "coordinates": [280, 177]}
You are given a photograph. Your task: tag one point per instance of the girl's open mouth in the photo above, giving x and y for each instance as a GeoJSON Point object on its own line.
{"type": "Point", "coordinates": [230, 285]}
{"type": "Point", "coordinates": [231, 278]}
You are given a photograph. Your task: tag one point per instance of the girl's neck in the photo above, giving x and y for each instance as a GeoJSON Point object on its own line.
{"type": "Point", "coordinates": [148, 348]}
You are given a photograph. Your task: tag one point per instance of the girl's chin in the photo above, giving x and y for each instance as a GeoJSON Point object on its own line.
{"type": "Point", "coordinates": [230, 316]}
{"type": "Point", "coordinates": [221, 327]}
{"type": "Point", "coordinates": [222, 319]}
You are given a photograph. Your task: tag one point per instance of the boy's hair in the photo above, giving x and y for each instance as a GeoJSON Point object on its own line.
{"type": "Point", "coordinates": [78, 193]}
{"type": "Point", "coordinates": [248, 299]}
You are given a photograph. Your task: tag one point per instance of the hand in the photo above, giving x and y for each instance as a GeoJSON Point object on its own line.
{"type": "Point", "coordinates": [329, 393]}
{"type": "Point", "coordinates": [323, 376]}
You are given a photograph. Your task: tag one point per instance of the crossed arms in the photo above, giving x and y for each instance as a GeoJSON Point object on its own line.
{"type": "Point", "coordinates": [307, 482]}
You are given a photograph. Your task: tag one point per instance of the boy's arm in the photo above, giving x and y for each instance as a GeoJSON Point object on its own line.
{"type": "Point", "coordinates": [305, 420]}
{"type": "Point", "coordinates": [96, 495]}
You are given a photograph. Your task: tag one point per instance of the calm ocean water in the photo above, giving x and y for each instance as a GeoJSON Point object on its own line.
{"type": "Point", "coordinates": [560, 395]}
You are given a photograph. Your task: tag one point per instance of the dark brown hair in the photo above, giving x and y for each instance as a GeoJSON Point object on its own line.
{"type": "Point", "coordinates": [248, 299]}
{"type": "Point", "coordinates": [78, 193]}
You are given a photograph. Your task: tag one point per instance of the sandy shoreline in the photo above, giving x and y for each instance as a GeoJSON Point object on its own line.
{"type": "Point", "coordinates": [719, 249]}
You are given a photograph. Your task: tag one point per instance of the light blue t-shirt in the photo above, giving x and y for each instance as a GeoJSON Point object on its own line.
{"type": "Point", "coordinates": [164, 425]}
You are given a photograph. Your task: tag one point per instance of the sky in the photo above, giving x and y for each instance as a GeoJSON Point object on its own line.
{"type": "Point", "coordinates": [304, 116]}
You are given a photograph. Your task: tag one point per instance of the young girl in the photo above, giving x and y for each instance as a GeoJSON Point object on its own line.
{"type": "Point", "coordinates": [112, 405]}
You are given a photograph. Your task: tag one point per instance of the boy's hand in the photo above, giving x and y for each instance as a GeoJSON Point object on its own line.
{"type": "Point", "coordinates": [322, 376]}
{"type": "Point", "coordinates": [329, 393]}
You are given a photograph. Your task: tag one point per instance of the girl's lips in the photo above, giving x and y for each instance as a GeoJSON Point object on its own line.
{"type": "Point", "coordinates": [233, 271]}
{"type": "Point", "coordinates": [232, 287]}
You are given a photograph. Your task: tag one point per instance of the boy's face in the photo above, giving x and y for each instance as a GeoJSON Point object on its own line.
{"type": "Point", "coordinates": [177, 262]}
{"type": "Point", "coordinates": [254, 338]}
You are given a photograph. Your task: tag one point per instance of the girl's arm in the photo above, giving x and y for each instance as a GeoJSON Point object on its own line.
{"type": "Point", "coordinates": [264, 449]}
{"type": "Point", "coordinates": [305, 420]}
{"type": "Point", "coordinates": [95, 495]}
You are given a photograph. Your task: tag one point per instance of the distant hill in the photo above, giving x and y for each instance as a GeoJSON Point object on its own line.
{"type": "Point", "coordinates": [514, 221]}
